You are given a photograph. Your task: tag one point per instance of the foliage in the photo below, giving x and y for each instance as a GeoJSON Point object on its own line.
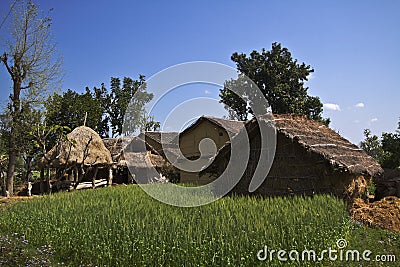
{"type": "Point", "coordinates": [18, 133]}
{"type": "Point", "coordinates": [102, 110]}
{"type": "Point", "coordinates": [386, 150]}
{"type": "Point", "coordinates": [391, 146]}
{"type": "Point", "coordinates": [280, 79]}
{"type": "Point", "coordinates": [127, 105]}
{"type": "Point", "coordinates": [372, 145]}
{"type": "Point", "coordinates": [71, 109]}
{"type": "Point", "coordinates": [122, 226]}
{"type": "Point", "coordinates": [152, 125]}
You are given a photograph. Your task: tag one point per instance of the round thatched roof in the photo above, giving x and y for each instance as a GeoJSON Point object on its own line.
{"type": "Point", "coordinates": [82, 145]}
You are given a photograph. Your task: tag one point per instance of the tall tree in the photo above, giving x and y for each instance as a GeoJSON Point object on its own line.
{"type": "Point", "coordinates": [30, 61]}
{"type": "Point", "coordinates": [102, 109]}
{"type": "Point", "coordinates": [280, 79]}
{"type": "Point", "coordinates": [128, 102]}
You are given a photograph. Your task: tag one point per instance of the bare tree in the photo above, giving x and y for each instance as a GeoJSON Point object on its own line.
{"type": "Point", "coordinates": [31, 63]}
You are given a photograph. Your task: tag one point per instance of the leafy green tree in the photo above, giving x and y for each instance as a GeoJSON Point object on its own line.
{"type": "Point", "coordinates": [391, 146]}
{"type": "Point", "coordinates": [127, 102]}
{"type": "Point", "coordinates": [386, 150]}
{"type": "Point", "coordinates": [102, 110]}
{"type": "Point", "coordinates": [372, 145]}
{"type": "Point", "coordinates": [31, 64]}
{"type": "Point", "coordinates": [279, 77]}
{"type": "Point", "coordinates": [71, 109]}
{"type": "Point", "coordinates": [28, 117]}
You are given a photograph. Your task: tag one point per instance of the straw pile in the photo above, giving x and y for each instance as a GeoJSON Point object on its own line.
{"type": "Point", "coordinates": [83, 145]}
{"type": "Point", "coordinates": [384, 213]}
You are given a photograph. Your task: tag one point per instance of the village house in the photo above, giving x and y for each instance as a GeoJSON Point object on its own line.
{"type": "Point", "coordinates": [310, 158]}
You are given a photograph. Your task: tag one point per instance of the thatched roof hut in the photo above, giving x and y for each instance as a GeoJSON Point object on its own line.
{"type": "Point", "coordinates": [135, 154]}
{"type": "Point", "coordinates": [82, 145]}
{"type": "Point", "coordinates": [310, 158]}
{"type": "Point", "coordinates": [316, 137]}
{"type": "Point", "coordinates": [136, 151]}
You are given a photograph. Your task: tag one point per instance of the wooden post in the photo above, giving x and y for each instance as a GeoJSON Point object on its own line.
{"type": "Point", "coordinates": [96, 169]}
{"type": "Point", "coordinates": [75, 174]}
{"type": "Point", "coordinates": [81, 173]}
{"type": "Point", "coordinates": [110, 176]}
{"type": "Point", "coordinates": [70, 175]}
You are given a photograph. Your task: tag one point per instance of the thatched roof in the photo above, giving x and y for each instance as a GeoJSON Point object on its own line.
{"type": "Point", "coordinates": [315, 137]}
{"type": "Point", "coordinates": [232, 127]}
{"type": "Point", "coordinates": [167, 137]}
{"type": "Point", "coordinates": [133, 150]}
{"type": "Point", "coordinates": [114, 145]}
{"type": "Point", "coordinates": [318, 138]}
{"type": "Point", "coordinates": [82, 145]}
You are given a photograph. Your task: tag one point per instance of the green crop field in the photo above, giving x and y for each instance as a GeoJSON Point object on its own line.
{"type": "Point", "coordinates": [122, 226]}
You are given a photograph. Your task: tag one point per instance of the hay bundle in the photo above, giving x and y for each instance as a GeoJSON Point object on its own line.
{"type": "Point", "coordinates": [83, 146]}
{"type": "Point", "coordinates": [384, 213]}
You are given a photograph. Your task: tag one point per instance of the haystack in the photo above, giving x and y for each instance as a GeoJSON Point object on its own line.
{"type": "Point", "coordinates": [83, 146]}
{"type": "Point", "coordinates": [384, 213]}
{"type": "Point", "coordinates": [81, 157]}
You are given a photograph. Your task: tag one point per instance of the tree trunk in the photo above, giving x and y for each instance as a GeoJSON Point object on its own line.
{"type": "Point", "coordinates": [28, 175]}
{"type": "Point", "coordinates": [41, 180]}
{"type": "Point", "coordinates": [12, 157]}
{"type": "Point", "coordinates": [48, 183]}
{"type": "Point", "coordinates": [12, 153]}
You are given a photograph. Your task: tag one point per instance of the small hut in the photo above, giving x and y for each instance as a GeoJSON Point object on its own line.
{"type": "Point", "coordinates": [81, 156]}
{"type": "Point", "coordinates": [310, 158]}
{"type": "Point", "coordinates": [133, 156]}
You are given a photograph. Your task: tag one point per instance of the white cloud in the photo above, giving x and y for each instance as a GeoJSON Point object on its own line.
{"type": "Point", "coordinates": [330, 106]}
{"type": "Point", "coordinates": [360, 105]}
{"type": "Point", "coordinates": [374, 120]}
{"type": "Point", "coordinates": [310, 76]}
{"type": "Point", "coordinates": [207, 92]}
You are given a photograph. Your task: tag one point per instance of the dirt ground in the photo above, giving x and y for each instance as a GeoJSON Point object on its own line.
{"type": "Point", "coordinates": [9, 200]}
{"type": "Point", "coordinates": [384, 213]}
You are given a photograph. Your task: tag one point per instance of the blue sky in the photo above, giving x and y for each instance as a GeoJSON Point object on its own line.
{"type": "Point", "coordinates": [352, 45]}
